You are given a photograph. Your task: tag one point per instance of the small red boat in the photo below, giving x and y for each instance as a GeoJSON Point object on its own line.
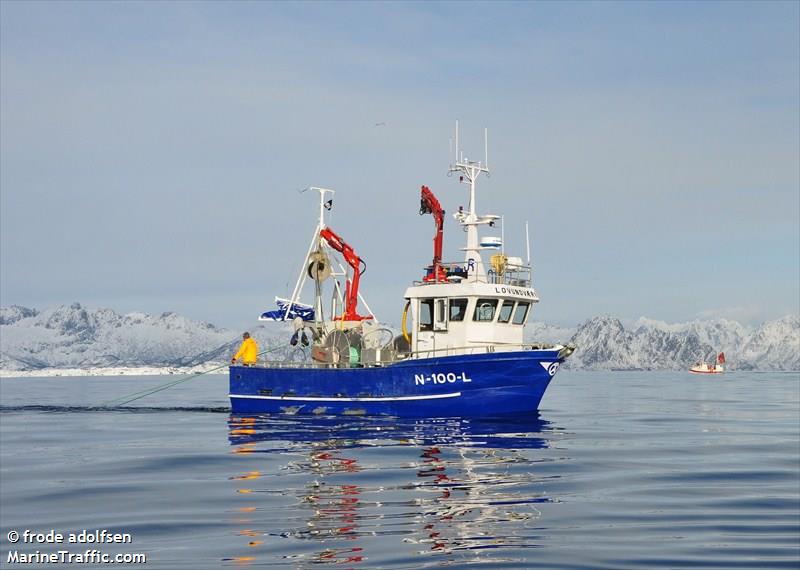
{"type": "Point", "coordinates": [703, 367]}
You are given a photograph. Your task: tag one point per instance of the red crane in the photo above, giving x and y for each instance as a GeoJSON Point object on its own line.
{"type": "Point", "coordinates": [428, 204]}
{"type": "Point", "coordinates": [351, 288]}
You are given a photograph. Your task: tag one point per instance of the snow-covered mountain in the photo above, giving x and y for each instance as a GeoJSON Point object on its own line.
{"type": "Point", "coordinates": [78, 337]}
{"type": "Point", "coordinates": [774, 345]}
{"type": "Point", "coordinates": [605, 343]}
{"type": "Point", "coordinates": [537, 331]}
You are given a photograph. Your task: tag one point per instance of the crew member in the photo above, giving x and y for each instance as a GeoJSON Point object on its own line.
{"type": "Point", "coordinates": [247, 352]}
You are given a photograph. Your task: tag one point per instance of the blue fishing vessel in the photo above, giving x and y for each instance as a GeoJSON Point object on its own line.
{"type": "Point", "coordinates": [461, 351]}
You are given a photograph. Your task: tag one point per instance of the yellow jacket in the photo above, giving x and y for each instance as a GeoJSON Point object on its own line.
{"type": "Point", "coordinates": [248, 351]}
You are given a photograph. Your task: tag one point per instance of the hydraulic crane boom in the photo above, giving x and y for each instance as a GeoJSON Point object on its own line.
{"type": "Point", "coordinates": [351, 287]}
{"type": "Point", "coordinates": [428, 204]}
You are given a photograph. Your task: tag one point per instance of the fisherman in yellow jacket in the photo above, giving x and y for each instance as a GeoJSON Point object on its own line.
{"type": "Point", "coordinates": [247, 352]}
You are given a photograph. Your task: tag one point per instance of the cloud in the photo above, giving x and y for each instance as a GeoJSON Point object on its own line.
{"type": "Point", "coordinates": [752, 313]}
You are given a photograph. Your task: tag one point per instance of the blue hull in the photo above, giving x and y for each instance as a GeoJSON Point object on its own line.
{"type": "Point", "coordinates": [475, 385]}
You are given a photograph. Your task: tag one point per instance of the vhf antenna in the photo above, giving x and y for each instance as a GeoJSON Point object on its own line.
{"type": "Point", "coordinates": [457, 147]}
{"type": "Point", "coordinates": [458, 154]}
{"type": "Point", "coordinates": [486, 146]}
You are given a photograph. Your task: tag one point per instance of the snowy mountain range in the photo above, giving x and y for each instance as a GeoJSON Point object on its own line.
{"type": "Point", "coordinates": [605, 343]}
{"type": "Point", "coordinates": [73, 336]}
{"type": "Point", "coordinates": [76, 337]}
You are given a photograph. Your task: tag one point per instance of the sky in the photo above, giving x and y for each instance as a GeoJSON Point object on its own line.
{"type": "Point", "coordinates": [152, 153]}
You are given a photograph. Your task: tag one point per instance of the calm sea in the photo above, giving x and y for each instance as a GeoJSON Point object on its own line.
{"type": "Point", "coordinates": [619, 470]}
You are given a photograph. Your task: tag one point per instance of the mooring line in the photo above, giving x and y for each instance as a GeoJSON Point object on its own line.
{"type": "Point", "coordinates": [116, 402]}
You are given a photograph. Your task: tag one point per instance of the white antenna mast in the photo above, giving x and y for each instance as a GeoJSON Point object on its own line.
{"type": "Point", "coordinates": [470, 171]}
{"type": "Point", "coordinates": [458, 150]}
{"type": "Point", "coordinates": [528, 242]}
{"type": "Point", "coordinates": [503, 235]}
{"type": "Point", "coordinates": [486, 146]}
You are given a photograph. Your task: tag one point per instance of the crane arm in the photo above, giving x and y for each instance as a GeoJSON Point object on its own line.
{"type": "Point", "coordinates": [354, 261]}
{"type": "Point", "coordinates": [428, 204]}
{"type": "Point", "coordinates": [337, 243]}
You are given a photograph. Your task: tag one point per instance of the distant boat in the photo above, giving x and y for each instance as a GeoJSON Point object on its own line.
{"type": "Point", "coordinates": [703, 367]}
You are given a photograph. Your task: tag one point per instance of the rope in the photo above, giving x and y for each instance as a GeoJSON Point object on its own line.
{"type": "Point", "coordinates": [138, 395]}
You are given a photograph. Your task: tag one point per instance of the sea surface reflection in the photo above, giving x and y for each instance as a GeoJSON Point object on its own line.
{"type": "Point", "coordinates": [631, 471]}
{"type": "Point", "coordinates": [339, 491]}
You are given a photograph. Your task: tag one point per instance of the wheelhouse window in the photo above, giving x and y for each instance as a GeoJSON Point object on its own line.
{"type": "Point", "coordinates": [505, 311]}
{"type": "Point", "coordinates": [484, 310]}
{"type": "Point", "coordinates": [440, 309]}
{"type": "Point", "coordinates": [458, 309]}
{"type": "Point", "coordinates": [521, 313]}
{"type": "Point", "coordinates": [440, 317]}
{"type": "Point", "coordinates": [426, 314]}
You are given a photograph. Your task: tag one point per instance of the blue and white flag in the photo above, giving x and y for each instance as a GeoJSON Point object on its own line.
{"type": "Point", "coordinates": [305, 312]}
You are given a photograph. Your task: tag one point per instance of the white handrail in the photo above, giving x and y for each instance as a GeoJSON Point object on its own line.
{"type": "Point", "coordinates": [473, 349]}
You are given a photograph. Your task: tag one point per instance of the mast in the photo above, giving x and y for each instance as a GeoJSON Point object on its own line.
{"type": "Point", "coordinates": [315, 244]}
{"type": "Point", "coordinates": [470, 171]}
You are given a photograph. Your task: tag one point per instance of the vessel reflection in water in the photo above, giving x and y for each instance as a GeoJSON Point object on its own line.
{"type": "Point", "coordinates": [350, 490]}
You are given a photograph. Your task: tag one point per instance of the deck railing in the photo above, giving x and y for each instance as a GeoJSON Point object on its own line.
{"type": "Point", "coordinates": [514, 275]}
{"type": "Point", "coordinates": [431, 353]}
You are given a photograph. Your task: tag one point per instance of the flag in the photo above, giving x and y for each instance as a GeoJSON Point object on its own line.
{"type": "Point", "coordinates": [305, 312]}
